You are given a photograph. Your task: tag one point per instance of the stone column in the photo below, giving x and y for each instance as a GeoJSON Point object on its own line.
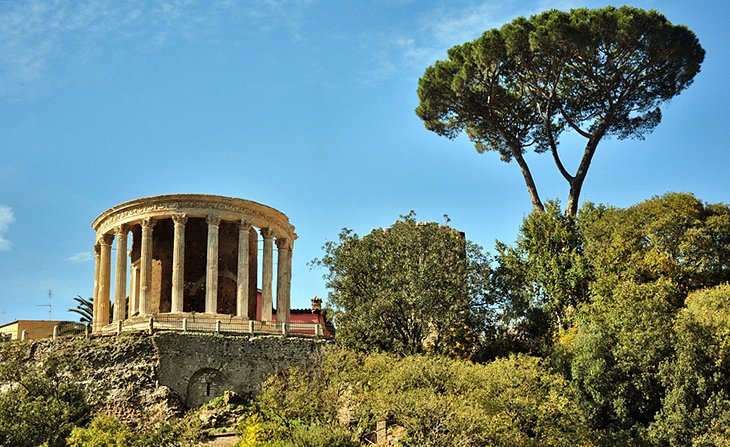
{"type": "Point", "coordinates": [178, 263]}
{"type": "Point", "coordinates": [95, 296]}
{"type": "Point", "coordinates": [104, 280]}
{"type": "Point", "coordinates": [267, 274]}
{"type": "Point", "coordinates": [283, 280]}
{"type": "Point", "coordinates": [253, 274]}
{"type": "Point", "coordinates": [145, 265]}
{"type": "Point", "coordinates": [120, 277]}
{"type": "Point", "coordinates": [211, 278]}
{"type": "Point", "coordinates": [242, 275]}
{"type": "Point", "coordinates": [133, 290]}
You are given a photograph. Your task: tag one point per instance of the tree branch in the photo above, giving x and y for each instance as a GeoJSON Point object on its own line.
{"type": "Point", "coordinates": [573, 126]}
{"type": "Point", "coordinates": [529, 181]}
{"type": "Point", "coordinates": [571, 209]}
{"type": "Point", "coordinates": [551, 139]}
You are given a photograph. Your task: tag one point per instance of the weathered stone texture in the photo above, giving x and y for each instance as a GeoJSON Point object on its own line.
{"type": "Point", "coordinates": [200, 367]}
{"type": "Point", "coordinates": [136, 376]}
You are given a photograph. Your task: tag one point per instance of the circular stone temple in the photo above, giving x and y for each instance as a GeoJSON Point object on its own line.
{"type": "Point", "coordinates": [191, 257]}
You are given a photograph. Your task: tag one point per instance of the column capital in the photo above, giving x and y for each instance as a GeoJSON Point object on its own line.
{"type": "Point", "coordinates": [244, 224]}
{"type": "Point", "coordinates": [148, 223]}
{"type": "Point", "coordinates": [283, 243]}
{"type": "Point", "coordinates": [180, 219]}
{"type": "Point", "coordinates": [267, 233]}
{"type": "Point", "coordinates": [213, 220]}
{"type": "Point", "coordinates": [106, 239]}
{"type": "Point", "coordinates": [121, 230]}
{"type": "Point", "coordinates": [97, 250]}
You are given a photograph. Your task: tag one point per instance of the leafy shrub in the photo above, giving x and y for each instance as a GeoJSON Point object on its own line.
{"type": "Point", "coordinates": [39, 404]}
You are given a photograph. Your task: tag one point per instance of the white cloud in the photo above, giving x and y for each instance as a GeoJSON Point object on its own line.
{"type": "Point", "coordinates": [82, 256]}
{"type": "Point", "coordinates": [6, 218]}
{"type": "Point", "coordinates": [454, 26]}
{"type": "Point", "coordinates": [37, 36]}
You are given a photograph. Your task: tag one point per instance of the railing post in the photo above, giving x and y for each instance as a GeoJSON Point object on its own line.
{"type": "Point", "coordinates": [251, 327]}
{"type": "Point", "coordinates": [24, 335]}
{"type": "Point", "coordinates": [86, 331]}
{"type": "Point", "coordinates": [55, 331]}
{"type": "Point", "coordinates": [218, 326]}
{"type": "Point", "coordinates": [185, 324]}
{"type": "Point", "coordinates": [152, 326]}
{"type": "Point", "coordinates": [317, 330]}
{"type": "Point", "coordinates": [284, 328]}
{"type": "Point", "coordinates": [119, 327]}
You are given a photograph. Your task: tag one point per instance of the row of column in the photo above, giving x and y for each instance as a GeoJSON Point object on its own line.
{"type": "Point", "coordinates": [102, 271]}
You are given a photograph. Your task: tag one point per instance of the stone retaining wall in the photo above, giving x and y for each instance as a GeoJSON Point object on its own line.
{"type": "Point", "coordinates": [137, 375]}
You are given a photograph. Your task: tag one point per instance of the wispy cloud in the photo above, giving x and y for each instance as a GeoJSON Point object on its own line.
{"type": "Point", "coordinates": [82, 256]}
{"type": "Point", "coordinates": [6, 218]}
{"type": "Point", "coordinates": [40, 36]}
{"type": "Point", "coordinates": [409, 52]}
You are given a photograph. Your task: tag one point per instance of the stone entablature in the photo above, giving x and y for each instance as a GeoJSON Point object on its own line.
{"type": "Point", "coordinates": [191, 253]}
{"type": "Point", "coordinates": [194, 205]}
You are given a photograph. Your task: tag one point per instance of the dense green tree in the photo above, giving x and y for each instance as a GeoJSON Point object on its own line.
{"type": "Point", "coordinates": [620, 343]}
{"type": "Point", "coordinates": [597, 72]}
{"type": "Point", "coordinates": [696, 409]}
{"type": "Point", "coordinates": [407, 288]}
{"type": "Point", "coordinates": [543, 275]}
{"type": "Point", "coordinates": [555, 263]}
{"type": "Point", "coordinates": [673, 237]}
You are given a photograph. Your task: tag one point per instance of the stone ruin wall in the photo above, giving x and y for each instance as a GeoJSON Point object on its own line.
{"type": "Point", "coordinates": [136, 376]}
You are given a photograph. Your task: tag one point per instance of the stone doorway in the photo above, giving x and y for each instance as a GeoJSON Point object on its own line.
{"type": "Point", "coordinates": [205, 385]}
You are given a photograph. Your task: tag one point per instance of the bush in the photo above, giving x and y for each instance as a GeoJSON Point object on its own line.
{"type": "Point", "coordinates": [108, 431]}
{"type": "Point", "coordinates": [39, 404]}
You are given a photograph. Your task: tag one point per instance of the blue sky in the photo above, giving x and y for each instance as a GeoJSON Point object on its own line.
{"type": "Point", "coordinates": [303, 105]}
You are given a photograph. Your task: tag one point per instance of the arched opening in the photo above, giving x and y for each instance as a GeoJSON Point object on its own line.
{"type": "Point", "coordinates": [205, 385]}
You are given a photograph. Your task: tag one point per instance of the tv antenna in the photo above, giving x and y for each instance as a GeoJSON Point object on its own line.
{"type": "Point", "coordinates": [50, 295]}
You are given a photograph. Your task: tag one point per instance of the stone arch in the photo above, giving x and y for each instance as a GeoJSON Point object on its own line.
{"type": "Point", "coordinates": [204, 385]}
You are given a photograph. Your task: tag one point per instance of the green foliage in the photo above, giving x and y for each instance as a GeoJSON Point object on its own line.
{"type": "Point", "coordinates": [597, 72]}
{"type": "Point", "coordinates": [256, 431]}
{"type": "Point", "coordinates": [512, 401]}
{"type": "Point", "coordinates": [544, 275]}
{"type": "Point", "coordinates": [696, 409]}
{"type": "Point", "coordinates": [427, 401]}
{"type": "Point", "coordinates": [85, 308]}
{"type": "Point", "coordinates": [599, 295]}
{"type": "Point", "coordinates": [406, 288]}
{"type": "Point", "coordinates": [39, 403]}
{"type": "Point", "coordinates": [620, 344]}
{"type": "Point", "coordinates": [108, 431]}
{"type": "Point", "coordinates": [103, 431]}
{"type": "Point", "coordinates": [288, 396]}
{"type": "Point", "coordinates": [674, 237]}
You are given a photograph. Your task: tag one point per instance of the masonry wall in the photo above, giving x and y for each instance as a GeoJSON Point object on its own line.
{"type": "Point", "coordinates": [152, 376]}
{"type": "Point", "coordinates": [199, 367]}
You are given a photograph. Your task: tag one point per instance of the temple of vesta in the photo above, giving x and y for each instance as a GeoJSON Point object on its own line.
{"type": "Point", "coordinates": [191, 257]}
